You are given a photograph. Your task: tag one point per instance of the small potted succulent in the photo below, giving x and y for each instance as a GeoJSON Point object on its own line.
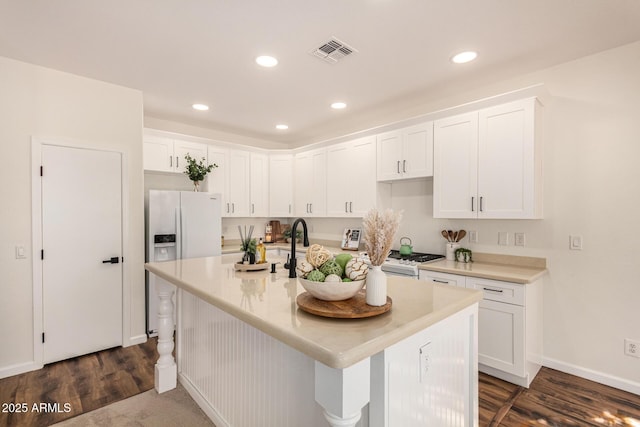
{"type": "Point", "coordinates": [197, 171]}
{"type": "Point", "coordinates": [287, 235]}
{"type": "Point", "coordinates": [249, 247]}
{"type": "Point", "coordinates": [463, 255]}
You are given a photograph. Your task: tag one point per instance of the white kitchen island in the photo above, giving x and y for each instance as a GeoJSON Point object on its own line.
{"type": "Point", "coordinates": [250, 357]}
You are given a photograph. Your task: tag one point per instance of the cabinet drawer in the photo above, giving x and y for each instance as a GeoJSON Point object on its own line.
{"type": "Point", "coordinates": [495, 290]}
{"type": "Point", "coordinates": [443, 278]}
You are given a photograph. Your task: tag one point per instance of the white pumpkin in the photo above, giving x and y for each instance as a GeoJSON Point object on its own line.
{"type": "Point", "coordinates": [356, 269]}
{"type": "Point", "coordinates": [332, 278]}
{"type": "Point", "coordinates": [303, 267]}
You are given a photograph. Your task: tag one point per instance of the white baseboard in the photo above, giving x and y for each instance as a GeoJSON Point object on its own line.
{"type": "Point", "coordinates": [599, 377]}
{"type": "Point", "coordinates": [202, 402]}
{"type": "Point", "coordinates": [138, 339]}
{"type": "Point", "coordinates": [20, 368]}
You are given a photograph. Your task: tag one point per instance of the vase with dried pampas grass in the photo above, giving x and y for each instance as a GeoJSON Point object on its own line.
{"type": "Point", "coordinates": [379, 230]}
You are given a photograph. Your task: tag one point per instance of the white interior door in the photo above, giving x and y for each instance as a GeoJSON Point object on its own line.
{"type": "Point", "coordinates": [81, 228]}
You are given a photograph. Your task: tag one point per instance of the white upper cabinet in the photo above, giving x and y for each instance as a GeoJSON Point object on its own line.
{"type": "Point", "coordinates": [310, 183]}
{"type": "Point", "coordinates": [510, 161]}
{"type": "Point", "coordinates": [217, 179]}
{"type": "Point", "coordinates": [195, 150]}
{"type": "Point", "coordinates": [455, 178]}
{"type": "Point", "coordinates": [237, 202]}
{"type": "Point", "coordinates": [259, 188]}
{"type": "Point", "coordinates": [158, 154]}
{"type": "Point", "coordinates": [281, 185]}
{"type": "Point", "coordinates": [163, 154]}
{"type": "Point", "coordinates": [405, 153]}
{"type": "Point", "coordinates": [351, 178]}
{"type": "Point", "coordinates": [488, 164]}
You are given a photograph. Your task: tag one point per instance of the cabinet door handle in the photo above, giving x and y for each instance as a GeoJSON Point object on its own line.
{"type": "Point", "coordinates": [346, 207]}
{"type": "Point", "coordinates": [440, 281]}
{"type": "Point", "coordinates": [499, 291]}
{"type": "Point", "coordinates": [398, 167]}
{"type": "Point", "coordinates": [289, 207]}
{"type": "Point", "coordinates": [227, 207]}
{"type": "Point", "coordinates": [253, 208]}
{"type": "Point", "coordinates": [351, 207]}
{"type": "Point", "coordinates": [404, 166]}
{"type": "Point", "coordinates": [233, 208]}
{"type": "Point", "coordinates": [480, 204]}
{"type": "Point", "coordinates": [310, 207]}
{"type": "Point", "coordinates": [177, 162]}
{"type": "Point", "coordinates": [170, 161]}
{"type": "Point", "coordinates": [472, 207]}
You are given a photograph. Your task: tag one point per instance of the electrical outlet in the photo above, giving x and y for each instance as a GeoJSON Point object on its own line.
{"type": "Point", "coordinates": [575, 243]}
{"type": "Point", "coordinates": [473, 237]}
{"type": "Point", "coordinates": [425, 361]}
{"type": "Point", "coordinates": [631, 347]}
{"type": "Point", "coordinates": [519, 239]}
{"type": "Point", "coordinates": [503, 238]}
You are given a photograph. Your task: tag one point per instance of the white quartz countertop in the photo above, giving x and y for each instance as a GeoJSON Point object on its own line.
{"type": "Point", "coordinates": [268, 302]}
{"type": "Point", "coordinates": [505, 272]}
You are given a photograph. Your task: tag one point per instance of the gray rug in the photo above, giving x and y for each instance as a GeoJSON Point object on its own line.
{"type": "Point", "coordinates": [173, 408]}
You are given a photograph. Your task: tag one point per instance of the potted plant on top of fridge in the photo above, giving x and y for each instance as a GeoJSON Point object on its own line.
{"type": "Point", "coordinates": [197, 171]}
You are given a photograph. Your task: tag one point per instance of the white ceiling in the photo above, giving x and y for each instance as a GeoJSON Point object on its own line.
{"type": "Point", "coordinates": [179, 52]}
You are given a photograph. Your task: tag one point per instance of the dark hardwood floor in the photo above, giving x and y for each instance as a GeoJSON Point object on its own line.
{"type": "Point", "coordinates": [85, 383]}
{"type": "Point", "coordinates": [555, 399]}
{"type": "Point", "coordinates": [74, 386]}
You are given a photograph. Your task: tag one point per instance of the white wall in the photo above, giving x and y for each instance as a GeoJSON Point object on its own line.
{"type": "Point", "coordinates": [40, 102]}
{"type": "Point", "coordinates": [592, 189]}
{"type": "Point", "coordinates": [212, 134]}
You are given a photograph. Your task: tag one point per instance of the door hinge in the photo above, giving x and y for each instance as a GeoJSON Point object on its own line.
{"type": "Point", "coordinates": [41, 171]}
{"type": "Point", "coordinates": [41, 253]}
{"type": "Point", "coordinates": [43, 337]}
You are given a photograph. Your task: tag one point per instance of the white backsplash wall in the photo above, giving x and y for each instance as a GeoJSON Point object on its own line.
{"type": "Point", "coordinates": [415, 199]}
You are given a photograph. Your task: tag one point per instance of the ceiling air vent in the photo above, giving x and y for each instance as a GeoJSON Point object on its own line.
{"type": "Point", "coordinates": [333, 51]}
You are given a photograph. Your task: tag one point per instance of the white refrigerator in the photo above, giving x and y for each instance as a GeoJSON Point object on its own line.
{"type": "Point", "coordinates": [180, 224]}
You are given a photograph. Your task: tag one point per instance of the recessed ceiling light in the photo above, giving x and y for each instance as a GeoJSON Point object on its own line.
{"type": "Point", "coordinates": [463, 57]}
{"type": "Point", "coordinates": [282, 127]}
{"type": "Point", "coordinates": [266, 61]}
{"type": "Point", "coordinates": [200, 107]}
{"type": "Point", "coordinates": [338, 105]}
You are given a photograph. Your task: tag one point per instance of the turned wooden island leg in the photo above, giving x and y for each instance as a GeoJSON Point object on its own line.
{"type": "Point", "coordinates": [166, 372]}
{"type": "Point", "coordinates": [342, 392]}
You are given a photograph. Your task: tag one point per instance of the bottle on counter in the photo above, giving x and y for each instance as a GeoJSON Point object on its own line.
{"type": "Point", "coordinates": [262, 252]}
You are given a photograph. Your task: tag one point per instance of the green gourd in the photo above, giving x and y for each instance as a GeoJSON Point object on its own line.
{"type": "Point", "coordinates": [315, 276]}
{"type": "Point", "coordinates": [331, 267]}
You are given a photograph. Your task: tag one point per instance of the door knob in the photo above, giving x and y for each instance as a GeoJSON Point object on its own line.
{"type": "Point", "coordinates": [112, 260]}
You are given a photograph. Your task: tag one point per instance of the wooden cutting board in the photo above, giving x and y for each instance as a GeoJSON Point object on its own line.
{"type": "Point", "coordinates": [352, 308]}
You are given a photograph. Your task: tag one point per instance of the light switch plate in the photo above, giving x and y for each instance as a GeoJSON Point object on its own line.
{"type": "Point", "coordinates": [20, 252]}
{"type": "Point", "coordinates": [473, 237]}
{"type": "Point", "coordinates": [575, 243]}
{"type": "Point", "coordinates": [518, 239]}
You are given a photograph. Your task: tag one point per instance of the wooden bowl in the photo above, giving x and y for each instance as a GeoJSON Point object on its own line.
{"type": "Point", "coordinates": [332, 291]}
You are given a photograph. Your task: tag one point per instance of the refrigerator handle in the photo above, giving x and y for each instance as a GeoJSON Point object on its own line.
{"type": "Point", "coordinates": [178, 217]}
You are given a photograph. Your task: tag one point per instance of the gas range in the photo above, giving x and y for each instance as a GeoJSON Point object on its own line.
{"type": "Point", "coordinates": [405, 265]}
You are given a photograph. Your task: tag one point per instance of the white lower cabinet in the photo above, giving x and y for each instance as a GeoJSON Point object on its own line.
{"type": "Point", "coordinates": [509, 325]}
